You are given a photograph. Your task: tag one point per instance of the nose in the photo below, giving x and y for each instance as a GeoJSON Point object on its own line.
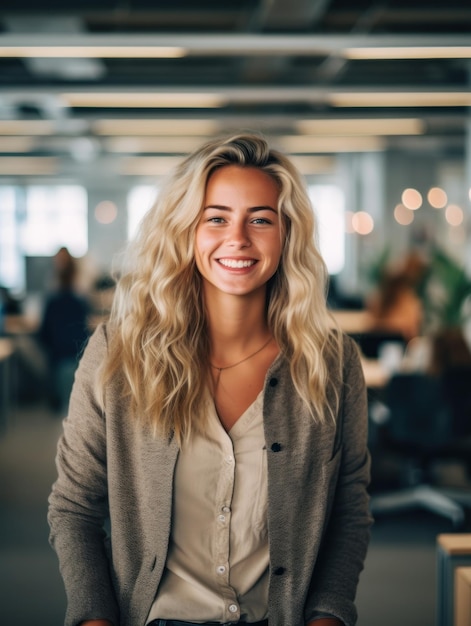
{"type": "Point", "coordinates": [238, 235]}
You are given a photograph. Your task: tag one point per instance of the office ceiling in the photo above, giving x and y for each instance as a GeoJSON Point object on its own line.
{"type": "Point", "coordinates": [114, 86]}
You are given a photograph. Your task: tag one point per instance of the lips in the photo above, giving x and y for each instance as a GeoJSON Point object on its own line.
{"type": "Point", "coordinates": [237, 263]}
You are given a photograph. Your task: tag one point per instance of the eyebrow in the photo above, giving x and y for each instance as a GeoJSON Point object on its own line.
{"type": "Point", "coordinates": [254, 209]}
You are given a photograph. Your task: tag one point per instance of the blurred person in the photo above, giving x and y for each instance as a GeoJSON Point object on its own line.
{"type": "Point", "coordinates": [396, 305]}
{"type": "Point", "coordinates": [63, 331]}
{"type": "Point", "coordinates": [217, 421]}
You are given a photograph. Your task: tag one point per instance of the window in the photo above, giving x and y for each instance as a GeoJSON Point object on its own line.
{"type": "Point", "coordinates": [35, 222]}
{"type": "Point", "coordinates": [329, 207]}
{"type": "Point", "coordinates": [55, 217]}
{"type": "Point", "coordinates": [11, 265]}
{"type": "Point", "coordinates": [140, 200]}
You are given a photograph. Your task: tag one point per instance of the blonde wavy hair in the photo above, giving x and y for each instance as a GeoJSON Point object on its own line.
{"type": "Point", "coordinates": [158, 339]}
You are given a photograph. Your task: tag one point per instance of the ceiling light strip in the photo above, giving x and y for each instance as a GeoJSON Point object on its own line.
{"type": "Point", "coordinates": [362, 126]}
{"type": "Point", "coordinates": [26, 127]}
{"type": "Point", "coordinates": [308, 145]}
{"type": "Point", "coordinates": [218, 98]}
{"type": "Point", "coordinates": [148, 127]}
{"type": "Point", "coordinates": [401, 99]}
{"type": "Point", "coordinates": [378, 53]}
{"type": "Point", "coordinates": [109, 45]}
{"type": "Point", "coordinates": [23, 166]}
{"type": "Point", "coordinates": [144, 100]}
{"type": "Point", "coordinates": [93, 52]}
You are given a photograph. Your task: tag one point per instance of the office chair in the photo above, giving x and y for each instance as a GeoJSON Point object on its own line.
{"type": "Point", "coordinates": [425, 425]}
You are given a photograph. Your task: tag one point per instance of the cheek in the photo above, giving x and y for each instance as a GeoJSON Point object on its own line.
{"type": "Point", "coordinates": [277, 247]}
{"type": "Point", "coordinates": [199, 240]}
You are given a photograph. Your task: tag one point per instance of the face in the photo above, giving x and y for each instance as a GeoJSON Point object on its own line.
{"type": "Point", "coordinates": [238, 239]}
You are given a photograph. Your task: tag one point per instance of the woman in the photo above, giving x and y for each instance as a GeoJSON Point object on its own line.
{"type": "Point", "coordinates": [396, 306]}
{"type": "Point", "coordinates": [225, 434]}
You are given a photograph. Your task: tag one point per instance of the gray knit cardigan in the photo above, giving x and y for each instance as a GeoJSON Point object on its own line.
{"type": "Point", "coordinates": [113, 474]}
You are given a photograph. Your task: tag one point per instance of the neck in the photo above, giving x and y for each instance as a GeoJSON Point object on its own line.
{"type": "Point", "coordinates": [235, 323]}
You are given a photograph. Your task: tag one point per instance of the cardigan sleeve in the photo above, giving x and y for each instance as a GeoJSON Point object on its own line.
{"type": "Point", "coordinates": [78, 506]}
{"type": "Point", "coordinates": [346, 537]}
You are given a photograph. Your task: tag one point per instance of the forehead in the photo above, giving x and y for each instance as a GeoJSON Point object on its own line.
{"type": "Point", "coordinates": [243, 182]}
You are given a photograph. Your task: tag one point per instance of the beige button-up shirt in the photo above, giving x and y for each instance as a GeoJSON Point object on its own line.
{"type": "Point", "coordinates": [217, 564]}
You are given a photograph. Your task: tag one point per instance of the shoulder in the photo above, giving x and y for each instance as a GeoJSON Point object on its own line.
{"type": "Point", "coordinates": [100, 336]}
{"type": "Point", "coordinates": [342, 356]}
{"type": "Point", "coordinates": [351, 363]}
{"type": "Point", "coordinates": [351, 350]}
{"type": "Point", "coordinates": [95, 350]}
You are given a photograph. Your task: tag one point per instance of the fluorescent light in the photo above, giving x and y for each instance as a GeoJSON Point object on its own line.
{"type": "Point", "coordinates": [22, 166]}
{"type": "Point", "coordinates": [143, 100]}
{"type": "Point", "coordinates": [95, 52]}
{"type": "Point", "coordinates": [407, 52]}
{"type": "Point", "coordinates": [148, 166]}
{"type": "Point", "coordinates": [307, 144]}
{"type": "Point", "coordinates": [152, 144]}
{"type": "Point", "coordinates": [314, 164]}
{"type": "Point", "coordinates": [401, 99]}
{"type": "Point", "coordinates": [215, 98]}
{"type": "Point", "coordinates": [16, 144]}
{"type": "Point", "coordinates": [156, 127]}
{"type": "Point", "coordinates": [26, 127]}
{"type": "Point", "coordinates": [386, 126]}
{"type": "Point", "coordinates": [125, 45]}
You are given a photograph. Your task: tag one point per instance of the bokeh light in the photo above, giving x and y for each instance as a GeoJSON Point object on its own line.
{"type": "Point", "coordinates": [437, 198]}
{"type": "Point", "coordinates": [403, 215]}
{"type": "Point", "coordinates": [362, 223]}
{"type": "Point", "coordinates": [411, 199]}
{"type": "Point", "coordinates": [106, 212]}
{"type": "Point", "coordinates": [454, 215]}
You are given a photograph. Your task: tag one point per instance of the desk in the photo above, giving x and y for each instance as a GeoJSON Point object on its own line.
{"type": "Point", "coordinates": [376, 375]}
{"type": "Point", "coordinates": [462, 599]}
{"type": "Point", "coordinates": [352, 322]}
{"type": "Point", "coordinates": [453, 551]}
{"type": "Point", "coordinates": [21, 324]}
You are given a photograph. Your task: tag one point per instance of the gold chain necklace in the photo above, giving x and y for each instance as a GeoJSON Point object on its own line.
{"type": "Point", "coordinates": [228, 367]}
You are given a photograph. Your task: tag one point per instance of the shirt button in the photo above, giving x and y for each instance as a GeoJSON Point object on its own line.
{"type": "Point", "coordinates": [222, 518]}
{"type": "Point", "coordinates": [221, 569]}
{"type": "Point", "coordinates": [226, 509]}
{"type": "Point", "coordinates": [229, 459]}
{"type": "Point", "coordinates": [233, 608]}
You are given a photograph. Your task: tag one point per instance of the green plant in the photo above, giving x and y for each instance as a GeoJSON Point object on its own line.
{"type": "Point", "coordinates": [375, 270]}
{"type": "Point", "coordinates": [447, 289]}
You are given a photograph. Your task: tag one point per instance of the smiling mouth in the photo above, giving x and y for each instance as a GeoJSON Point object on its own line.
{"type": "Point", "coordinates": [237, 264]}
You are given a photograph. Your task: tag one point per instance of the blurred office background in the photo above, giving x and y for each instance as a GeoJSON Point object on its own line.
{"type": "Point", "coordinates": [371, 98]}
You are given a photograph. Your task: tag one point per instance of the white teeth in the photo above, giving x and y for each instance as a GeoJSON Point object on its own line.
{"type": "Point", "coordinates": [235, 264]}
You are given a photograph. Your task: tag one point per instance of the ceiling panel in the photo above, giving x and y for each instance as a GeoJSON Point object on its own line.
{"type": "Point", "coordinates": [255, 64]}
